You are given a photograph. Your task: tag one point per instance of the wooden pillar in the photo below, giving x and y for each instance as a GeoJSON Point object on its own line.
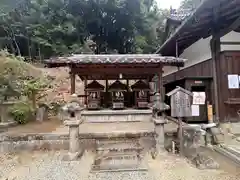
{"type": "Point", "coordinates": [127, 83]}
{"type": "Point", "coordinates": [73, 82]}
{"type": "Point", "coordinates": [215, 51]}
{"type": "Point", "coordinates": [160, 82]}
{"type": "Point", "coordinates": [106, 96]}
{"type": "Point", "coordinates": [85, 92]}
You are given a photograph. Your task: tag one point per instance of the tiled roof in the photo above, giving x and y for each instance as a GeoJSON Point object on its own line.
{"type": "Point", "coordinates": [94, 85]}
{"type": "Point", "coordinates": [140, 85]}
{"type": "Point", "coordinates": [180, 15]}
{"type": "Point", "coordinates": [113, 59]}
{"type": "Point", "coordinates": [117, 85]}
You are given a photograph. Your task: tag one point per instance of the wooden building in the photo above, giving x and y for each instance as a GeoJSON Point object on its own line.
{"type": "Point", "coordinates": [117, 67]}
{"type": "Point", "coordinates": [118, 94]}
{"type": "Point", "coordinates": [141, 94]}
{"type": "Point", "coordinates": [209, 37]}
{"type": "Point", "coordinates": [94, 95]}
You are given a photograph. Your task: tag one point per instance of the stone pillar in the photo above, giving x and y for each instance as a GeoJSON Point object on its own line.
{"type": "Point", "coordinates": [159, 132]}
{"type": "Point", "coordinates": [75, 150]}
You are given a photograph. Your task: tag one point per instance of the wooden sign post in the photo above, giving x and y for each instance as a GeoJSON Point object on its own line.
{"type": "Point", "coordinates": [180, 107]}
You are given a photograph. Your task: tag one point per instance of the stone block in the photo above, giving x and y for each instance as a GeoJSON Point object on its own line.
{"type": "Point", "coordinates": [72, 156]}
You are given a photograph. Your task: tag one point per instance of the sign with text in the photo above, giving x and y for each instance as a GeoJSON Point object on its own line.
{"type": "Point", "coordinates": [233, 81]}
{"type": "Point", "coordinates": [180, 103]}
{"type": "Point", "coordinates": [199, 97]}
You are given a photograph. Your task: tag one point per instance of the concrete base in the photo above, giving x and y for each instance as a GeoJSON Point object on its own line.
{"type": "Point", "coordinates": [108, 115]}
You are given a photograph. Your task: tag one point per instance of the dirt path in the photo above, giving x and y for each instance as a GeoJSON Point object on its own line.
{"type": "Point", "coordinates": [49, 166]}
{"type": "Point", "coordinates": [34, 127]}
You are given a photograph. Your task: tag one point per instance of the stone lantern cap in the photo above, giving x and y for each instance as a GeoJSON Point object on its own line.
{"type": "Point", "coordinates": [159, 105]}
{"type": "Point", "coordinates": [73, 106]}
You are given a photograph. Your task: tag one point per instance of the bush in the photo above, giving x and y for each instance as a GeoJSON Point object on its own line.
{"type": "Point", "coordinates": [21, 112]}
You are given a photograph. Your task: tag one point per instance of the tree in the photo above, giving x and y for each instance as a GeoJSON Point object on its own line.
{"type": "Point", "coordinates": [190, 4]}
{"type": "Point", "coordinates": [37, 28]}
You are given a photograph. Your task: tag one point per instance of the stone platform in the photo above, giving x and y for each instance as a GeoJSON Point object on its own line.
{"type": "Point", "coordinates": [108, 115]}
{"type": "Point", "coordinates": [118, 129]}
{"type": "Point", "coordinates": [119, 155]}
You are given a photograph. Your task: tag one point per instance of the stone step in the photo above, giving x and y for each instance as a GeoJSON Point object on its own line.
{"type": "Point", "coordinates": [119, 146]}
{"type": "Point", "coordinates": [116, 161]}
{"type": "Point", "coordinates": [117, 155]}
{"type": "Point", "coordinates": [232, 149]}
{"type": "Point", "coordinates": [227, 154]}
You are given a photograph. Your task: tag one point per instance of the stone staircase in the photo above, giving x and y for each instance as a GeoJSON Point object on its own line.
{"type": "Point", "coordinates": [118, 155]}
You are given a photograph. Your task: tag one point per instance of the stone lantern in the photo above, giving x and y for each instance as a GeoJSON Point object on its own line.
{"type": "Point", "coordinates": [159, 120]}
{"type": "Point", "coordinates": [73, 120]}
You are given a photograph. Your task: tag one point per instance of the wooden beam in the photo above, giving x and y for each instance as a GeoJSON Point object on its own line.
{"type": "Point", "coordinates": [215, 52]}
{"type": "Point", "coordinates": [230, 43]}
{"type": "Point", "coordinates": [115, 71]}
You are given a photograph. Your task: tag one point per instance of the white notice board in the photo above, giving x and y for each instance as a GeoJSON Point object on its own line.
{"type": "Point", "coordinates": [195, 110]}
{"type": "Point", "coordinates": [233, 81]}
{"type": "Point", "coordinates": [199, 97]}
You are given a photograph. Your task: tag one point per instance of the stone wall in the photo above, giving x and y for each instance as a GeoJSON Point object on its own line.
{"type": "Point", "coordinates": [45, 141]}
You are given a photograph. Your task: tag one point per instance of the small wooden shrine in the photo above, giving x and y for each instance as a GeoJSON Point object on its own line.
{"type": "Point", "coordinates": [118, 90]}
{"type": "Point", "coordinates": [120, 68]}
{"type": "Point", "coordinates": [94, 90]}
{"type": "Point", "coordinates": [141, 92]}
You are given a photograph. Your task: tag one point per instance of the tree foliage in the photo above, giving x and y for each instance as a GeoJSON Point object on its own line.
{"type": "Point", "coordinates": [190, 4]}
{"type": "Point", "coordinates": [43, 28]}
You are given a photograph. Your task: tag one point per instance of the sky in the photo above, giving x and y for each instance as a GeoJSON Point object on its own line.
{"type": "Point", "coordinates": [168, 3]}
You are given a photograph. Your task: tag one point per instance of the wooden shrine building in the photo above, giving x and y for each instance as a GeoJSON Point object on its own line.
{"type": "Point", "coordinates": [117, 67]}
{"type": "Point", "coordinates": [209, 38]}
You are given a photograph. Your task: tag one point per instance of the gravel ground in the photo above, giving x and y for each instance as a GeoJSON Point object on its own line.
{"type": "Point", "coordinates": [50, 166]}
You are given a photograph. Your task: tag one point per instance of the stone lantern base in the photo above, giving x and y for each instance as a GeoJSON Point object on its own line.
{"type": "Point", "coordinates": [75, 151]}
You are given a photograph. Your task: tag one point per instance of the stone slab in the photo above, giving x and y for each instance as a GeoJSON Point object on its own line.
{"type": "Point", "coordinates": [118, 161]}
{"type": "Point", "coordinates": [118, 154]}
{"type": "Point", "coordinates": [227, 154]}
{"type": "Point", "coordinates": [232, 149]}
{"type": "Point", "coordinates": [128, 115]}
{"type": "Point", "coordinates": [72, 122]}
{"type": "Point", "coordinates": [8, 124]}
{"type": "Point", "coordinates": [116, 112]}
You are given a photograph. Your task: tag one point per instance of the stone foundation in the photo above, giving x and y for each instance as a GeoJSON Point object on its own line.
{"type": "Point", "coordinates": [128, 115]}
{"type": "Point", "coordinates": [47, 141]}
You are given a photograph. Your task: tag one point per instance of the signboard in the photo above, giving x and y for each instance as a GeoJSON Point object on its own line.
{"type": "Point", "coordinates": [198, 82]}
{"type": "Point", "coordinates": [199, 97]}
{"type": "Point", "coordinates": [210, 112]}
{"type": "Point", "coordinates": [181, 105]}
{"type": "Point", "coordinates": [195, 110]}
{"type": "Point", "coordinates": [233, 81]}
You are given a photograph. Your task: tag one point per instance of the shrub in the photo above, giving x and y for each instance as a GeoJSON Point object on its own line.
{"type": "Point", "coordinates": [21, 112]}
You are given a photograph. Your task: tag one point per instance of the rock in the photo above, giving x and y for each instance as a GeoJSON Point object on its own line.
{"type": "Point", "coordinates": [218, 136]}
{"type": "Point", "coordinates": [205, 162]}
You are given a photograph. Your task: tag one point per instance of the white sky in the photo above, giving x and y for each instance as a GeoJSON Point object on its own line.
{"type": "Point", "coordinates": [168, 3]}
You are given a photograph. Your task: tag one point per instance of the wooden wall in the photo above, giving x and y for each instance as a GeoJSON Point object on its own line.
{"type": "Point", "coordinates": [229, 63]}
{"type": "Point", "coordinates": [203, 69]}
